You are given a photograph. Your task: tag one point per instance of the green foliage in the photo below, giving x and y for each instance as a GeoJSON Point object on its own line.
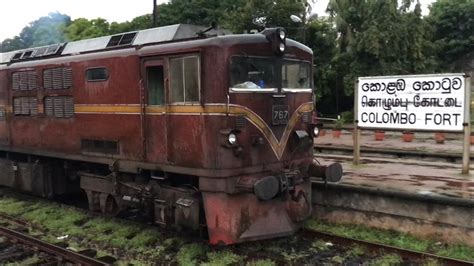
{"type": "Point", "coordinates": [222, 258]}
{"type": "Point", "coordinates": [266, 262]}
{"type": "Point", "coordinates": [390, 237]}
{"type": "Point", "coordinates": [453, 29]}
{"type": "Point", "coordinates": [46, 30]}
{"type": "Point", "coordinates": [190, 253]}
{"type": "Point", "coordinates": [339, 123]}
{"type": "Point", "coordinates": [387, 260]}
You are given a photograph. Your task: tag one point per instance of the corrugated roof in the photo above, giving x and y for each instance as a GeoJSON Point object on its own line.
{"type": "Point", "coordinates": [154, 35]}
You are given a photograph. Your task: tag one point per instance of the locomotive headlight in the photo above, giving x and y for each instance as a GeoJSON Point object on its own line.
{"type": "Point", "coordinates": [232, 139]}
{"type": "Point", "coordinates": [282, 35]}
{"type": "Point", "coordinates": [316, 131]}
{"type": "Point", "coordinates": [282, 47]}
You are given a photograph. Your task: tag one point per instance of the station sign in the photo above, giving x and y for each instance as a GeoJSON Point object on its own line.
{"type": "Point", "coordinates": [416, 102]}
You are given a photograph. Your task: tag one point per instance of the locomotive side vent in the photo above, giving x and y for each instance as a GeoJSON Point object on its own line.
{"type": "Point", "coordinates": [100, 146]}
{"type": "Point", "coordinates": [24, 81]}
{"type": "Point", "coordinates": [25, 106]}
{"type": "Point", "coordinates": [2, 113]}
{"type": "Point", "coordinates": [57, 78]}
{"type": "Point", "coordinates": [59, 106]}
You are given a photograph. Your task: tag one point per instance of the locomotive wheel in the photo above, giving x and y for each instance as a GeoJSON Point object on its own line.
{"type": "Point", "coordinates": [108, 204]}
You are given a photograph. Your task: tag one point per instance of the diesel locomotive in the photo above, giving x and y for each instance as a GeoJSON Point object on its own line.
{"type": "Point", "coordinates": [195, 127]}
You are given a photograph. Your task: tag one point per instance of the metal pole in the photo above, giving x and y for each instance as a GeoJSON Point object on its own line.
{"type": "Point", "coordinates": [467, 126]}
{"type": "Point", "coordinates": [154, 13]}
{"type": "Point", "coordinates": [356, 133]}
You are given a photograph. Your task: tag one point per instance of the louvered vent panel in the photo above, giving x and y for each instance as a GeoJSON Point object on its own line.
{"type": "Point", "coordinates": [23, 81]}
{"type": "Point", "coordinates": [2, 113]}
{"type": "Point", "coordinates": [67, 78]}
{"type": "Point", "coordinates": [306, 118]}
{"type": "Point", "coordinates": [48, 79]}
{"type": "Point", "coordinates": [16, 81]}
{"type": "Point", "coordinates": [57, 78]}
{"type": "Point", "coordinates": [32, 80]}
{"type": "Point", "coordinates": [33, 102]}
{"type": "Point", "coordinates": [48, 106]}
{"type": "Point", "coordinates": [17, 106]}
{"type": "Point", "coordinates": [58, 107]}
{"type": "Point", "coordinates": [240, 122]}
{"type": "Point", "coordinates": [25, 106]}
{"type": "Point", "coordinates": [68, 107]}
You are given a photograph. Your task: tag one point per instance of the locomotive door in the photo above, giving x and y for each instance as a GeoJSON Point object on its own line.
{"type": "Point", "coordinates": [154, 73]}
{"type": "Point", "coordinates": [4, 131]}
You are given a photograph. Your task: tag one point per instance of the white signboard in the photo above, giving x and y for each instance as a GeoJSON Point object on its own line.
{"type": "Point", "coordinates": [417, 102]}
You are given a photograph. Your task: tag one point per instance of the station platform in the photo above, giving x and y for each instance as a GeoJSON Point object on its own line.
{"type": "Point", "coordinates": [420, 196]}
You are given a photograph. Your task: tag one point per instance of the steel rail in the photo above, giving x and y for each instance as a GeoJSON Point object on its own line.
{"type": "Point", "coordinates": [404, 253]}
{"type": "Point", "coordinates": [68, 255]}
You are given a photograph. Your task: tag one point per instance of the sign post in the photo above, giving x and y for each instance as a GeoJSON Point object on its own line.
{"type": "Point", "coordinates": [435, 102]}
{"type": "Point", "coordinates": [467, 127]}
{"type": "Point", "coordinates": [356, 134]}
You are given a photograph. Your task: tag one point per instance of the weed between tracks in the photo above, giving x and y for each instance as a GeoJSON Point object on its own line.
{"type": "Point", "coordinates": [147, 245]}
{"type": "Point", "coordinates": [394, 238]}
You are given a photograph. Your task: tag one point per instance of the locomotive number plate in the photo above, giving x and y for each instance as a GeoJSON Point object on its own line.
{"type": "Point", "coordinates": [280, 114]}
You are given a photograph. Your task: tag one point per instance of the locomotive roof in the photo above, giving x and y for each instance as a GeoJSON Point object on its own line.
{"type": "Point", "coordinates": [137, 38]}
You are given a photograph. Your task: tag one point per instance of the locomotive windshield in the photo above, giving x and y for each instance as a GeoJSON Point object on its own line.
{"type": "Point", "coordinates": [259, 74]}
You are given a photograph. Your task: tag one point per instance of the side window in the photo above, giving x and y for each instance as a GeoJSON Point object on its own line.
{"type": "Point", "coordinates": [59, 106]}
{"type": "Point", "coordinates": [24, 81]}
{"type": "Point", "coordinates": [155, 85]}
{"type": "Point", "coordinates": [25, 106]}
{"type": "Point", "coordinates": [97, 74]}
{"type": "Point", "coordinates": [57, 78]}
{"type": "Point", "coordinates": [185, 80]}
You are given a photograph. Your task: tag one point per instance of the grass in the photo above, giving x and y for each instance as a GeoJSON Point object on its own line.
{"type": "Point", "coordinates": [189, 254]}
{"type": "Point", "coordinates": [394, 238]}
{"type": "Point", "coordinates": [387, 260]}
{"type": "Point", "coordinates": [222, 258]}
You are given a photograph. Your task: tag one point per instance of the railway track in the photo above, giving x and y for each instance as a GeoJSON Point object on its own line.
{"type": "Point", "coordinates": [16, 246]}
{"type": "Point", "coordinates": [409, 255]}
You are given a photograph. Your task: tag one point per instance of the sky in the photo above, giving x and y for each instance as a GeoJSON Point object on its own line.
{"type": "Point", "coordinates": [16, 14]}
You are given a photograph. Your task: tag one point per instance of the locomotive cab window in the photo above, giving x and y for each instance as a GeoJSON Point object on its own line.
{"type": "Point", "coordinates": [184, 79]}
{"type": "Point", "coordinates": [97, 74]}
{"type": "Point", "coordinates": [296, 76]}
{"type": "Point", "coordinates": [260, 74]}
{"type": "Point", "coordinates": [253, 74]}
{"type": "Point", "coordinates": [155, 85]}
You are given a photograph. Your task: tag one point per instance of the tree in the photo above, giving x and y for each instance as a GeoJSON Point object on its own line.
{"type": "Point", "coordinates": [453, 23]}
{"type": "Point", "coordinates": [46, 30]}
{"type": "Point", "coordinates": [82, 28]}
{"type": "Point", "coordinates": [377, 38]}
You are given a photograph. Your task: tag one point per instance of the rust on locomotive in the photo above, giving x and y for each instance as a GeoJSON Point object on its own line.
{"type": "Point", "coordinates": [193, 126]}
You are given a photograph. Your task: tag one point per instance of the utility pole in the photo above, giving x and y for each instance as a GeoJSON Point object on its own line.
{"type": "Point", "coordinates": [154, 13]}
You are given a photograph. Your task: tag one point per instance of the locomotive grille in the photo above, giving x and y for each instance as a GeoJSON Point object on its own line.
{"type": "Point", "coordinates": [2, 113]}
{"type": "Point", "coordinates": [240, 122]}
{"type": "Point", "coordinates": [59, 106]}
{"type": "Point", "coordinates": [306, 118]}
{"type": "Point", "coordinates": [24, 80]}
{"type": "Point", "coordinates": [25, 106]}
{"type": "Point", "coordinates": [57, 78]}
{"type": "Point", "coordinates": [101, 146]}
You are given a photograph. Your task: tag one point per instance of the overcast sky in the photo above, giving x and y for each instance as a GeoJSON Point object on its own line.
{"type": "Point", "coordinates": [16, 14]}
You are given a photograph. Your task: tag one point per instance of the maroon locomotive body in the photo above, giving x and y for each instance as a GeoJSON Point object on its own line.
{"type": "Point", "coordinates": [194, 128]}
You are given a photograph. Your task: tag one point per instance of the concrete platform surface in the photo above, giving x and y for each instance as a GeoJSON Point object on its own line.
{"type": "Point", "coordinates": [403, 175]}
